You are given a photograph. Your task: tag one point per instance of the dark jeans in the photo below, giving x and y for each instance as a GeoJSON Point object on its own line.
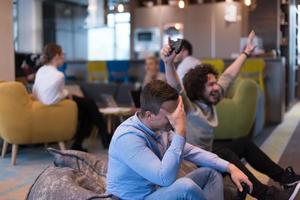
{"type": "Point", "coordinates": [88, 116]}
{"type": "Point", "coordinates": [245, 148]}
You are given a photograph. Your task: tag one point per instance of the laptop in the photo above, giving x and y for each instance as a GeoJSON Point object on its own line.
{"type": "Point", "coordinates": [135, 94]}
{"type": "Point", "coordinates": [106, 100]}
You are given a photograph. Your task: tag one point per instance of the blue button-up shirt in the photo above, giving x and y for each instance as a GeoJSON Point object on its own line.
{"type": "Point", "coordinates": [140, 160]}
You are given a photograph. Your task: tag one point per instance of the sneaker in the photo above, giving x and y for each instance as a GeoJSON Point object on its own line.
{"type": "Point", "coordinates": [295, 195]}
{"type": "Point", "coordinates": [289, 177]}
{"type": "Point", "coordinates": [275, 194]}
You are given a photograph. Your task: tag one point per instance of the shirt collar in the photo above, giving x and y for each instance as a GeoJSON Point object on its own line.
{"type": "Point", "coordinates": [203, 106]}
{"type": "Point", "coordinates": [146, 129]}
{"type": "Point", "coordinates": [51, 67]}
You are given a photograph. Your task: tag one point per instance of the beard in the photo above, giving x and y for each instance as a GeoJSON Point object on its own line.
{"type": "Point", "coordinates": [213, 95]}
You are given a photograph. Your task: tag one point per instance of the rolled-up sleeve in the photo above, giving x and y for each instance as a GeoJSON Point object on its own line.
{"type": "Point", "coordinates": [225, 82]}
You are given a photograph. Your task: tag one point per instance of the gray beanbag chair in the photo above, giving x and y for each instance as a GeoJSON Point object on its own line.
{"type": "Point", "coordinates": [75, 175]}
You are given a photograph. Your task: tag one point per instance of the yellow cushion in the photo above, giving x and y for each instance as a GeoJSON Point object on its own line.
{"type": "Point", "coordinates": [218, 64]}
{"type": "Point", "coordinates": [253, 68]}
{"type": "Point", "coordinates": [24, 120]}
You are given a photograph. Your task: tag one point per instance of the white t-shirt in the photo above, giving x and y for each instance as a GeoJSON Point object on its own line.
{"type": "Point", "coordinates": [186, 64]}
{"type": "Point", "coordinates": [49, 85]}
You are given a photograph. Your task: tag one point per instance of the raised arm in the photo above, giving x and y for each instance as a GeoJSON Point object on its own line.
{"type": "Point", "coordinates": [234, 69]}
{"type": "Point", "coordinates": [171, 74]}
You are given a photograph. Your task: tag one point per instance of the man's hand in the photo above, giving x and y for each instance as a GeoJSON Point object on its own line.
{"type": "Point", "coordinates": [166, 55]}
{"type": "Point", "coordinates": [250, 46]}
{"type": "Point", "coordinates": [237, 176]}
{"type": "Point", "coordinates": [177, 118]}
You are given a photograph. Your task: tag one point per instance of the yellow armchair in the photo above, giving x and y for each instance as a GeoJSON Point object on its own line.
{"type": "Point", "coordinates": [236, 112]}
{"type": "Point", "coordinates": [218, 64]}
{"type": "Point", "coordinates": [24, 120]}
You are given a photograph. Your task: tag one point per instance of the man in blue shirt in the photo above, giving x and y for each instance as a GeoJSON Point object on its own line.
{"type": "Point", "coordinates": [146, 151]}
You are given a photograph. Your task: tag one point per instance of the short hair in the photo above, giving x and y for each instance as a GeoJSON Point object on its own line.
{"type": "Point", "coordinates": [50, 51]}
{"type": "Point", "coordinates": [188, 46]}
{"type": "Point", "coordinates": [154, 94]}
{"type": "Point", "coordinates": [195, 79]}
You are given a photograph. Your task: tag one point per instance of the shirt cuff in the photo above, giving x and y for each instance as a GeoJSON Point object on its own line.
{"type": "Point", "coordinates": [223, 165]}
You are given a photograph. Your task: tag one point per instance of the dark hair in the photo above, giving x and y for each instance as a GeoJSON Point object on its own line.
{"type": "Point", "coordinates": [154, 94]}
{"type": "Point", "coordinates": [195, 79]}
{"type": "Point", "coordinates": [50, 51]}
{"type": "Point", "coordinates": [188, 46]}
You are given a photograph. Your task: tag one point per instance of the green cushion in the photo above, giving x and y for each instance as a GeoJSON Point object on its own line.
{"type": "Point", "coordinates": [236, 115]}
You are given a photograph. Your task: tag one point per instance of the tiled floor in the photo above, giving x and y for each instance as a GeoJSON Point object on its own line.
{"type": "Point", "coordinates": [275, 144]}
{"type": "Point", "coordinates": [31, 161]}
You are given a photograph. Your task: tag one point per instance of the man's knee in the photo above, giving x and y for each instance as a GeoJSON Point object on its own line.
{"type": "Point", "coordinates": [228, 154]}
{"type": "Point", "coordinates": [187, 185]}
{"type": "Point", "coordinates": [215, 175]}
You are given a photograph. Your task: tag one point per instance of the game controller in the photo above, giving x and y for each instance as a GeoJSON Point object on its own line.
{"type": "Point", "coordinates": [175, 45]}
{"type": "Point", "coordinates": [246, 190]}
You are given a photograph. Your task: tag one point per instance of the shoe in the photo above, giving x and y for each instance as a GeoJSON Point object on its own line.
{"type": "Point", "coordinates": [288, 194]}
{"type": "Point", "coordinates": [289, 178]}
{"type": "Point", "coordinates": [295, 195]}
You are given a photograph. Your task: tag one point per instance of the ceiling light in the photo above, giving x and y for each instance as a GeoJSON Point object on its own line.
{"type": "Point", "coordinates": [247, 2]}
{"type": "Point", "coordinates": [181, 4]}
{"type": "Point", "coordinates": [177, 26]}
{"type": "Point", "coordinates": [120, 8]}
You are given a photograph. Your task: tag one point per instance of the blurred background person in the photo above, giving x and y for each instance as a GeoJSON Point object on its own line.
{"type": "Point", "coordinates": [152, 70]}
{"type": "Point", "coordinates": [185, 59]}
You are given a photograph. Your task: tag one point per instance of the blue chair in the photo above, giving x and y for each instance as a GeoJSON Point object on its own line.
{"type": "Point", "coordinates": [63, 69]}
{"type": "Point", "coordinates": [162, 66]}
{"type": "Point", "coordinates": [118, 71]}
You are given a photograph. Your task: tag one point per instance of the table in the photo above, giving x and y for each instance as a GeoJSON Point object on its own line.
{"type": "Point", "coordinates": [120, 112]}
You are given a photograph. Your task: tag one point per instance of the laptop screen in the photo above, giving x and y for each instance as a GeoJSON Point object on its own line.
{"type": "Point", "coordinates": [136, 97]}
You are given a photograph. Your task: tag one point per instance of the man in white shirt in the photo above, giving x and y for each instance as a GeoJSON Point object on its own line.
{"type": "Point", "coordinates": [49, 88]}
{"type": "Point", "coordinates": [185, 59]}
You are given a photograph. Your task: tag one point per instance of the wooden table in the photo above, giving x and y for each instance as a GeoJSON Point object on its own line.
{"type": "Point", "coordinates": [121, 112]}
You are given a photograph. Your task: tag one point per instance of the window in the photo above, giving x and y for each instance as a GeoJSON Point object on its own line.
{"type": "Point", "coordinates": [15, 23]}
{"type": "Point", "coordinates": [298, 37]}
{"type": "Point", "coordinates": [111, 42]}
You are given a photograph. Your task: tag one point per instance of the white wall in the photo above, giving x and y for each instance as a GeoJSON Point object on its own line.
{"type": "Point", "coordinates": [30, 30]}
{"type": "Point", "coordinates": [7, 64]}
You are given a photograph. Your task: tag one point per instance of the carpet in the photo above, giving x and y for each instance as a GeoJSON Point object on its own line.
{"type": "Point", "coordinates": [31, 161]}
{"type": "Point", "coordinates": [16, 180]}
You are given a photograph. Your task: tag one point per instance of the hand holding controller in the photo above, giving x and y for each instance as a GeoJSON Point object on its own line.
{"type": "Point", "coordinates": [246, 190]}
{"type": "Point", "coordinates": [175, 45]}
